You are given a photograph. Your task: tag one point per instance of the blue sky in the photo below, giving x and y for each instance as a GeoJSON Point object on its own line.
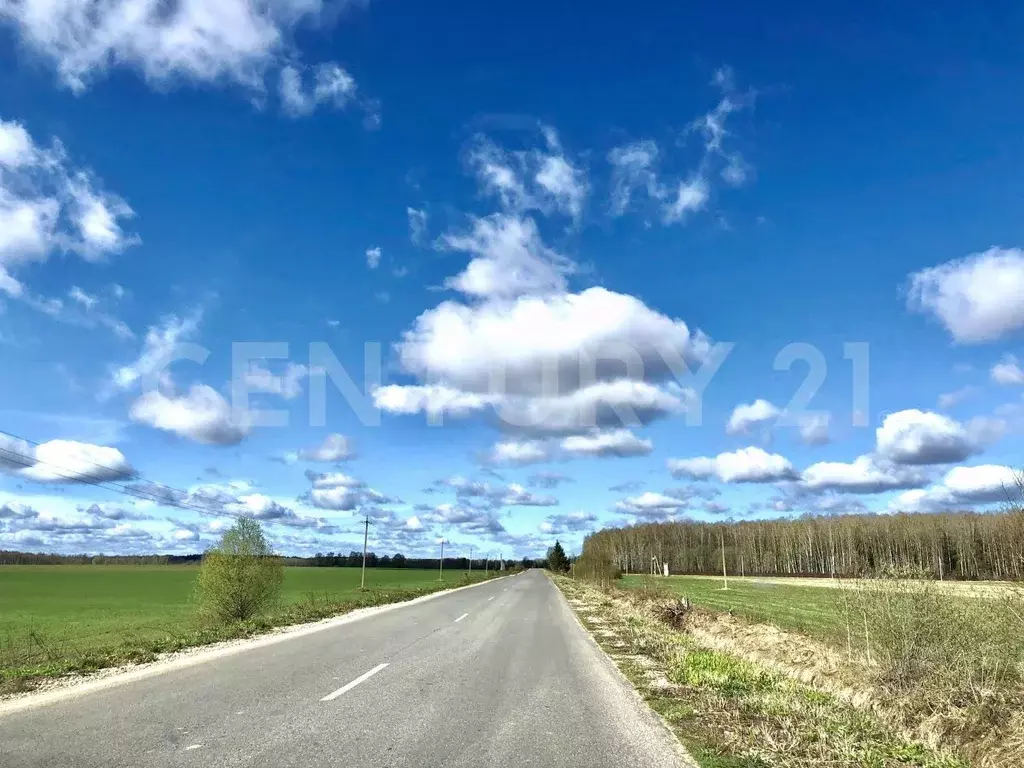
{"type": "Point", "coordinates": [484, 190]}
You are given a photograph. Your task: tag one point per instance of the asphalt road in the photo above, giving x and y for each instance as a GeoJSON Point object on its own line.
{"type": "Point", "coordinates": [499, 674]}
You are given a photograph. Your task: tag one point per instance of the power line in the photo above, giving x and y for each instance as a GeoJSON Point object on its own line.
{"type": "Point", "coordinates": [26, 461]}
{"type": "Point", "coordinates": [96, 464]}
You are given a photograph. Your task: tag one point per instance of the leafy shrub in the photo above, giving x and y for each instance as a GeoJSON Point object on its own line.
{"type": "Point", "coordinates": [596, 568]}
{"type": "Point", "coordinates": [241, 577]}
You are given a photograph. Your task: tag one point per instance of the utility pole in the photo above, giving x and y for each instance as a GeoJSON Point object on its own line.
{"type": "Point", "coordinates": [487, 561]}
{"type": "Point", "coordinates": [366, 536]}
{"type": "Point", "coordinates": [470, 561]}
{"type": "Point", "coordinates": [440, 569]}
{"type": "Point", "coordinates": [725, 574]}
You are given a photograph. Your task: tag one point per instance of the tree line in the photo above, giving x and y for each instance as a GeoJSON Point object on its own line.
{"type": "Point", "coordinates": [353, 559]}
{"type": "Point", "coordinates": [14, 557]}
{"type": "Point", "coordinates": [948, 545]}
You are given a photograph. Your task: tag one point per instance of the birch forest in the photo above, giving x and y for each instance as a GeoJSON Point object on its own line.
{"type": "Point", "coordinates": [951, 545]}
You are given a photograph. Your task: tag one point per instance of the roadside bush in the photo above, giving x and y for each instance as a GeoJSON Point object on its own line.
{"type": "Point", "coordinates": [596, 568]}
{"type": "Point", "coordinates": [241, 577]}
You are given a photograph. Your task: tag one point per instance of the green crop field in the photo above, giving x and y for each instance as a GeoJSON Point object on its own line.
{"type": "Point", "coordinates": [66, 617]}
{"type": "Point", "coordinates": [813, 610]}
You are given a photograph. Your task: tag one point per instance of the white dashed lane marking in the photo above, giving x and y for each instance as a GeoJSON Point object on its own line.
{"type": "Point", "coordinates": [349, 686]}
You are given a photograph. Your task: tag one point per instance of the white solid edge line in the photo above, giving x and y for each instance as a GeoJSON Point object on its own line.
{"type": "Point", "coordinates": [461, 617]}
{"type": "Point", "coordinates": [349, 686]}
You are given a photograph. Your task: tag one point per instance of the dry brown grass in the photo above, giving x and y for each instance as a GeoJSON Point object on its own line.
{"type": "Point", "coordinates": [951, 668]}
{"type": "Point", "coordinates": [942, 671]}
{"type": "Point", "coordinates": [727, 710]}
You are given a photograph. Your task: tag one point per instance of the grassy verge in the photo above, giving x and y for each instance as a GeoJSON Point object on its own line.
{"type": "Point", "coordinates": [79, 619]}
{"type": "Point", "coordinates": [731, 713]}
{"type": "Point", "coordinates": [811, 610]}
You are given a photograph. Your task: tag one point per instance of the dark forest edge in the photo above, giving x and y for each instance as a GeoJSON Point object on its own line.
{"type": "Point", "coordinates": [320, 560]}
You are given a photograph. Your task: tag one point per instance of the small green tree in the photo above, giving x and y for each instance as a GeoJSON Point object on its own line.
{"type": "Point", "coordinates": [557, 560]}
{"type": "Point", "coordinates": [240, 577]}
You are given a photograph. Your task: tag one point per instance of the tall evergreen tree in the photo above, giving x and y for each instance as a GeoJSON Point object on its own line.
{"type": "Point", "coordinates": [557, 560]}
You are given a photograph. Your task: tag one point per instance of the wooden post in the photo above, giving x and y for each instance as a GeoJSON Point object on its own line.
{"type": "Point", "coordinates": [366, 536]}
{"type": "Point", "coordinates": [725, 573]}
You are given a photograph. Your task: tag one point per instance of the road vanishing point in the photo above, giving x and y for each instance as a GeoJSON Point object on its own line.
{"type": "Point", "coordinates": [498, 674]}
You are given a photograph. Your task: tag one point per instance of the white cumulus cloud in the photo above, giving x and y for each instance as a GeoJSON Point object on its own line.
{"type": "Point", "coordinates": [528, 338]}
{"type": "Point", "coordinates": [962, 487]}
{"type": "Point", "coordinates": [64, 461]}
{"type": "Point", "coordinates": [334, 448]}
{"type": "Point", "coordinates": [746, 465]}
{"type": "Point", "coordinates": [747, 415]}
{"type": "Point", "coordinates": [569, 522]}
{"type": "Point", "coordinates": [602, 404]}
{"type": "Point", "coordinates": [865, 474]}
{"type": "Point", "coordinates": [619, 443]}
{"type": "Point", "coordinates": [430, 399]}
{"type": "Point", "coordinates": [202, 415]}
{"type": "Point", "coordinates": [978, 298]}
{"type": "Point", "coordinates": [922, 437]}
{"type": "Point", "coordinates": [1007, 371]}
{"type": "Point", "coordinates": [518, 452]}
{"type": "Point", "coordinates": [649, 502]}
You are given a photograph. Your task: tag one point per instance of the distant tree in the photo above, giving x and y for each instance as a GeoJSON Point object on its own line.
{"type": "Point", "coordinates": [240, 577]}
{"type": "Point", "coordinates": [557, 560]}
{"type": "Point", "coordinates": [398, 560]}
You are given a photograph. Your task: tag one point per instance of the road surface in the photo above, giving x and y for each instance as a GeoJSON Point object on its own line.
{"type": "Point", "coordinates": [499, 674]}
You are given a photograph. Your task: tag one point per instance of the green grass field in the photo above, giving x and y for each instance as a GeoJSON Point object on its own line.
{"type": "Point", "coordinates": [811, 610]}
{"type": "Point", "coordinates": [61, 618]}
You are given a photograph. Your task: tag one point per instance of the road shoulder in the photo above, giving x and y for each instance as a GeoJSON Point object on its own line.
{"type": "Point", "coordinates": [728, 711]}
{"type": "Point", "coordinates": [655, 726]}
